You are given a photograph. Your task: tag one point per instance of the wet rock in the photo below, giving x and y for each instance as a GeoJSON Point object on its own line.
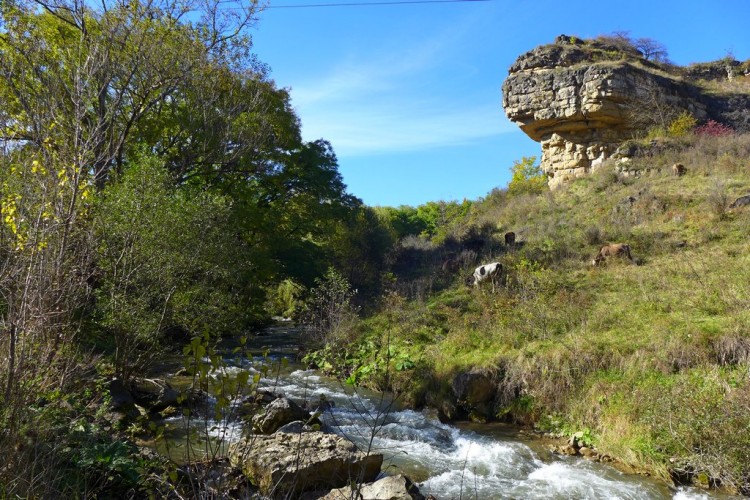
{"type": "Point", "coordinates": [252, 403]}
{"type": "Point", "coordinates": [568, 450]}
{"type": "Point", "coordinates": [588, 453]}
{"type": "Point", "coordinates": [154, 394]}
{"type": "Point", "coordinates": [277, 414]}
{"type": "Point", "coordinates": [473, 387]}
{"type": "Point", "coordinates": [565, 449]}
{"type": "Point", "coordinates": [321, 404]}
{"type": "Point", "coordinates": [480, 414]}
{"type": "Point", "coordinates": [445, 410]}
{"type": "Point", "coordinates": [285, 465]}
{"type": "Point", "coordinates": [389, 488]}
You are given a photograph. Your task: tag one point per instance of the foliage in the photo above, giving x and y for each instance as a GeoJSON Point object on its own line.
{"type": "Point", "coordinates": [162, 264]}
{"type": "Point", "coordinates": [285, 299]}
{"type": "Point", "coordinates": [527, 177]}
{"type": "Point", "coordinates": [329, 312]}
{"type": "Point", "coordinates": [610, 353]}
{"type": "Point", "coordinates": [153, 182]}
{"type": "Point", "coordinates": [714, 129]}
{"type": "Point", "coordinates": [403, 221]}
{"type": "Point", "coordinates": [682, 125]}
{"type": "Point", "coordinates": [431, 219]}
{"type": "Point", "coordinates": [438, 216]}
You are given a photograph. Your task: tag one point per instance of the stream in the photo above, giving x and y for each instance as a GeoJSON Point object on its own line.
{"type": "Point", "coordinates": [463, 460]}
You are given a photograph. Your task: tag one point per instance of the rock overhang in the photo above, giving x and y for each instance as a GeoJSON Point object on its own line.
{"type": "Point", "coordinates": [580, 100]}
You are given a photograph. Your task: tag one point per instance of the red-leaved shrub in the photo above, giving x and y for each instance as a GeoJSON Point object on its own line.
{"type": "Point", "coordinates": [713, 128]}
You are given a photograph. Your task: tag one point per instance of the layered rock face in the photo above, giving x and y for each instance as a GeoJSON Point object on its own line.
{"type": "Point", "coordinates": [580, 100]}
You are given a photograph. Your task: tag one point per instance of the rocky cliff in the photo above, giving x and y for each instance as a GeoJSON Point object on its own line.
{"type": "Point", "coordinates": [581, 99]}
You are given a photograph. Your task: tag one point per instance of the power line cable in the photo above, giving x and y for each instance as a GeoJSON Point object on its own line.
{"type": "Point", "coordinates": [359, 4]}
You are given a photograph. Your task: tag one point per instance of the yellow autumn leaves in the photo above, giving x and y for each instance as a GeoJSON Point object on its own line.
{"type": "Point", "coordinates": [31, 199]}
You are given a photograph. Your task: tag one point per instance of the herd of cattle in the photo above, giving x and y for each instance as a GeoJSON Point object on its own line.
{"type": "Point", "coordinates": [493, 271]}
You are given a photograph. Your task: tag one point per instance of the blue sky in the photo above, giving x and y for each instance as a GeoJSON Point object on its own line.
{"type": "Point", "coordinates": [409, 95]}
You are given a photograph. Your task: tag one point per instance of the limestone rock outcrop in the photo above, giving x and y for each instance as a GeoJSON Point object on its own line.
{"type": "Point", "coordinates": [581, 99]}
{"type": "Point", "coordinates": [284, 465]}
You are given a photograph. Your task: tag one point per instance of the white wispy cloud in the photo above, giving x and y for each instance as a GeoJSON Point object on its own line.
{"type": "Point", "coordinates": [395, 102]}
{"type": "Point", "coordinates": [363, 129]}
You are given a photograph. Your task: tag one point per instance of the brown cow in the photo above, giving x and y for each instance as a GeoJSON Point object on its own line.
{"type": "Point", "coordinates": [678, 169]}
{"type": "Point", "coordinates": [450, 265]}
{"type": "Point", "coordinates": [510, 238]}
{"type": "Point", "coordinates": [613, 250]}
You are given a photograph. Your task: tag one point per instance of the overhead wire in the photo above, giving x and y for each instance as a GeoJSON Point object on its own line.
{"type": "Point", "coordinates": [358, 4]}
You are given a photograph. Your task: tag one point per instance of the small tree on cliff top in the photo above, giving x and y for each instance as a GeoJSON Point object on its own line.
{"type": "Point", "coordinates": [528, 177]}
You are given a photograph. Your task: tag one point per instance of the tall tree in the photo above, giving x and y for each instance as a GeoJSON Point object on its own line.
{"type": "Point", "coordinates": [77, 79]}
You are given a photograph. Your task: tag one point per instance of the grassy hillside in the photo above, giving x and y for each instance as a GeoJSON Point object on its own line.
{"type": "Point", "coordinates": [651, 358]}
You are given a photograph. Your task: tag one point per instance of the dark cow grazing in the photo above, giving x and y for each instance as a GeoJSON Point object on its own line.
{"type": "Point", "coordinates": [679, 169]}
{"type": "Point", "coordinates": [450, 265]}
{"type": "Point", "coordinates": [741, 201]}
{"type": "Point", "coordinates": [510, 238]}
{"type": "Point", "coordinates": [487, 272]}
{"type": "Point", "coordinates": [613, 250]}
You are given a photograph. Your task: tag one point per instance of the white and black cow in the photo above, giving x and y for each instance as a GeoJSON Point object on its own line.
{"type": "Point", "coordinates": [489, 272]}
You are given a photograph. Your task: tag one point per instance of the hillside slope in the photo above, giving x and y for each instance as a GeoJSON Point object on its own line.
{"type": "Point", "coordinates": [650, 360]}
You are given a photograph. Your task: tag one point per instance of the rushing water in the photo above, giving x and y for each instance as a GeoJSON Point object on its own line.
{"type": "Point", "coordinates": [447, 461]}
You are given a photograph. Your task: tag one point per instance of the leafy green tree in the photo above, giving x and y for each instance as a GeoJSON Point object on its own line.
{"type": "Point", "coordinates": [166, 260]}
{"type": "Point", "coordinates": [77, 80]}
{"type": "Point", "coordinates": [289, 215]}
{"type": "Point", "coordinates": [527, 177]}
{"type": "Point", "coordinates": [437, 216]}
{"type": "Point", "coordinates": [285, 299]}
{"type": "Point", "coordinates": [359, 250]}
{"type": "Point", "coordinates": [82, 76]}
{"type": "Point", "coordinates": [403, 221]}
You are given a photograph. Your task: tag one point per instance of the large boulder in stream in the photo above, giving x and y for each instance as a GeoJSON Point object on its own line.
{"type": "Point", "coordinates": [154, 394]}
{"type": "Point", "coordinates": [280, 412]}
{"type": "Point", "coordinates": [389, 488]}
{"type": "Point", "coordinates": [285, 465]}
